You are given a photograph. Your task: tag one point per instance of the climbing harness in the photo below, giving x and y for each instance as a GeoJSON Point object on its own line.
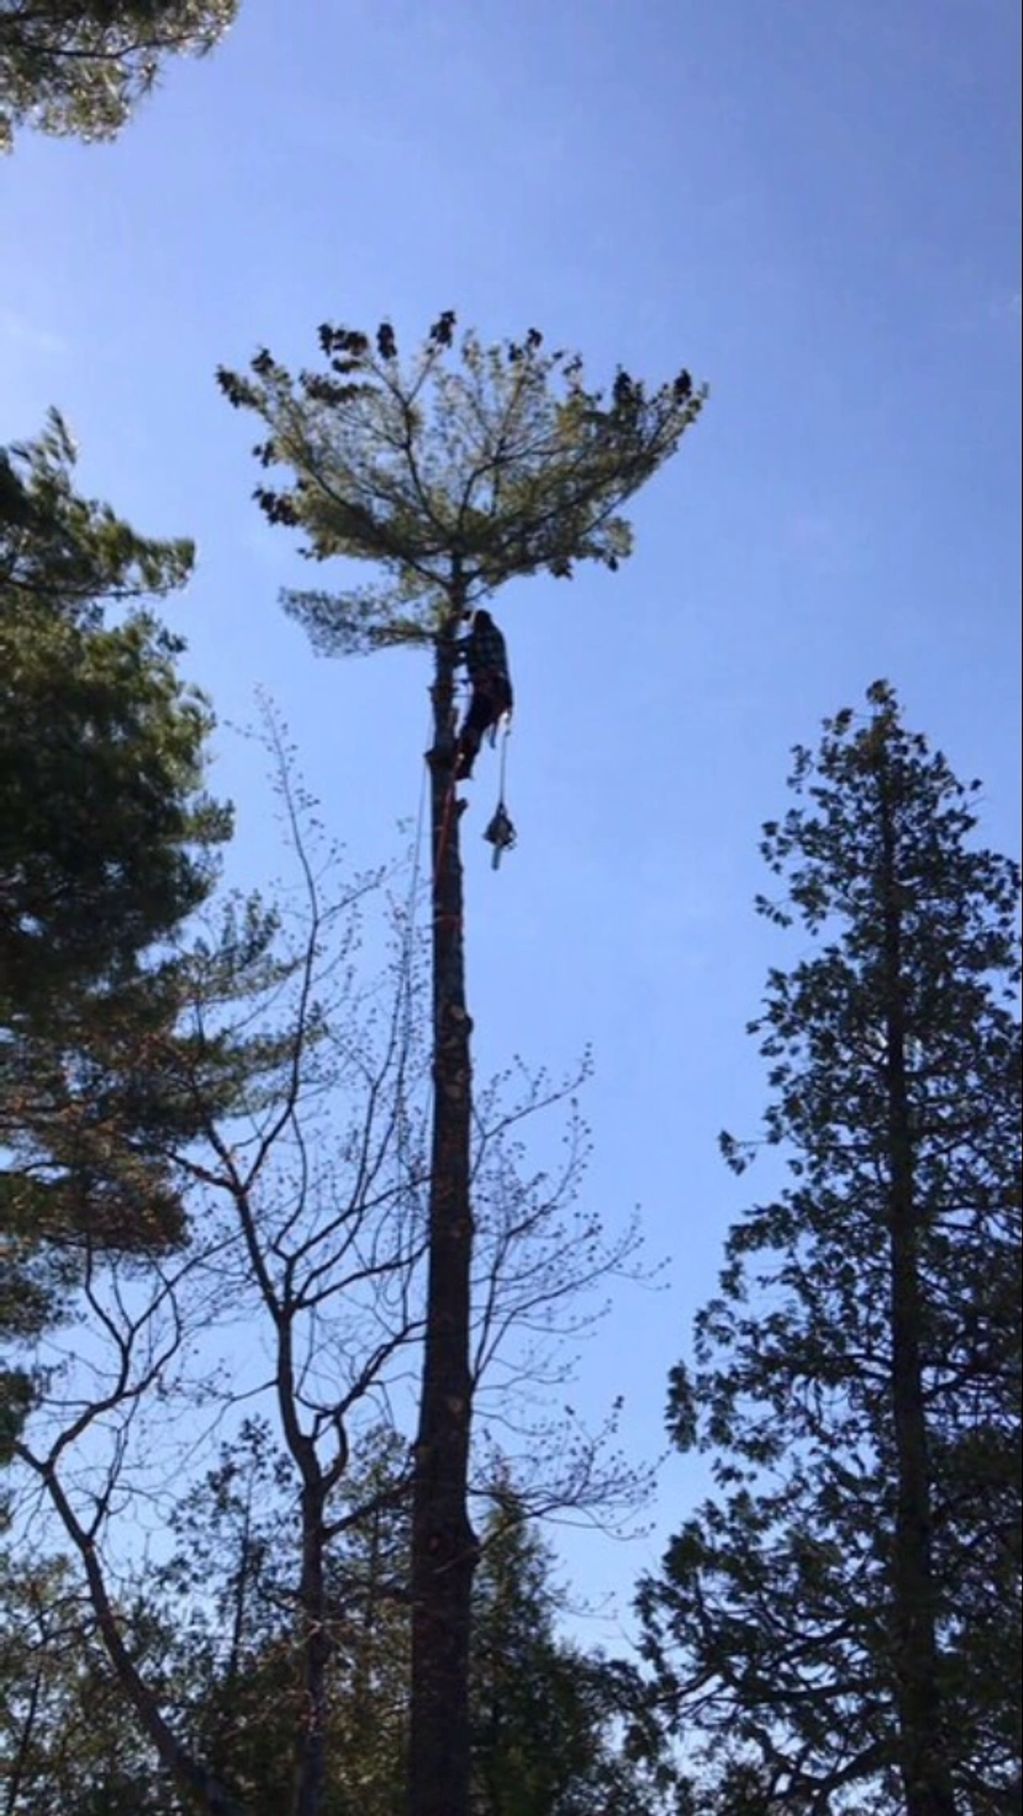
{"type": "Point", "coordinates": [501, 833]}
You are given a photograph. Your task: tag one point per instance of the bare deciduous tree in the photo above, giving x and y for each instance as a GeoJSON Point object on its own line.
{"type": "Point", "coordinates": [301, 1293]}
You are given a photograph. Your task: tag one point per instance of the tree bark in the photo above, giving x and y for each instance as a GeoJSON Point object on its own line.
{"type": "Point", "coordinates": [311, 1776]}
{"type": "Point", "coordinates": [443, 1542]}
{"type": "Point", "coordinates": [923, 1762]}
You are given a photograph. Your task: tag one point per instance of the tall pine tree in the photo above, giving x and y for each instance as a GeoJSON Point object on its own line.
{"type": "Point", "coordinates": [451, 476]}
{"type": "Point", "coordinates": [839, 1623]}
{"type": "Point", "coordinates": [108, 843]}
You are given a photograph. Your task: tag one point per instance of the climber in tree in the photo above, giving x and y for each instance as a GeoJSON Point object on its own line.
{"type": "Point", "coordinates": [486, 659]}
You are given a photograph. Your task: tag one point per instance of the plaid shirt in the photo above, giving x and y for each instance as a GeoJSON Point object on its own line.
{"type": "Point", "coordinates": [485, 653]}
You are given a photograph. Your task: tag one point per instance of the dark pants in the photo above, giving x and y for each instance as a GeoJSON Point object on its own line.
{"type": "Point", "coordinates": [491, 696]}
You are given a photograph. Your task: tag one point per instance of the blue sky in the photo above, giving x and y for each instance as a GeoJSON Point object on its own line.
{"type": "Point", "coordinates": [811, 205]}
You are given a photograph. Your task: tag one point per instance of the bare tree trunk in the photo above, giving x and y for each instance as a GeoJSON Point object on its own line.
{"type": "Point", "coordinates": [923, 1762]}
{"type": "Point", "coordinates": [312, 1596]}
{"type": "Point", "coordinates": [443, 1543]}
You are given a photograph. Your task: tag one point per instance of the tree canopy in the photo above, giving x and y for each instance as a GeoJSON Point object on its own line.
{"type": "Point", "coordinates": [470, 465]}
{"type": "Point", "coordinates": [81, 66]}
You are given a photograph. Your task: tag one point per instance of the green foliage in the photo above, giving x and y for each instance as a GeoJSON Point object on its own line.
{"type": "Point", "coordinates": [67, 1739]}
{"type": "Point", "coordinates": [105, 829]}
{"type": "Point", "coordinates": [773, 1622]}
{"type": "Point", "coordinates": [81, 66]}
{"type": "Point", "coordinates": [238, 1667]}
{"type": "Point", "coordinates": [107, 844]}
{"type": "Point", "coordinates": [557, 1730]}
{"type": "Point", "coordinates": [469, 467]}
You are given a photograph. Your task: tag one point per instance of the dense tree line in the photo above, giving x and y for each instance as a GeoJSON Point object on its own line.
{"type": "Point", "coordinates": [552, 1726]}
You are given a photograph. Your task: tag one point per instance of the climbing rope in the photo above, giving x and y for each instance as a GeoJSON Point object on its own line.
{"type": "Point", "coordinates": [417, 845]}
{"type": "Point", "coordinates": [404, 1010]}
